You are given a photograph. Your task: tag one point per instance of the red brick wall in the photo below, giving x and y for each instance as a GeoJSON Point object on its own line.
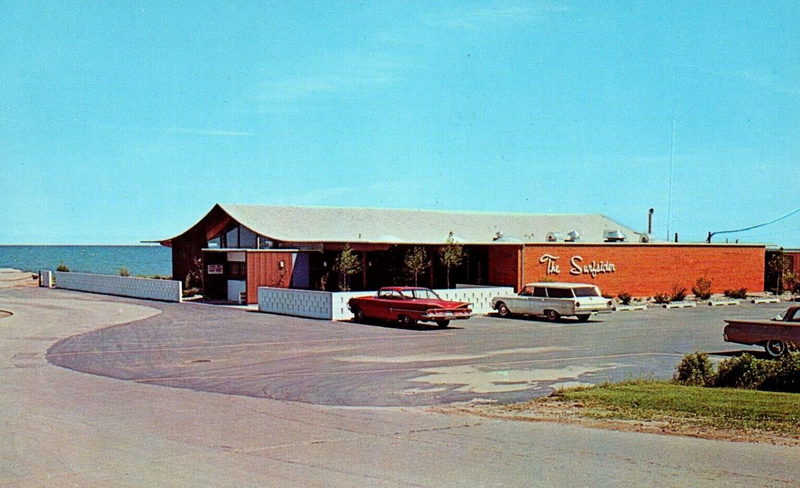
{"type": "Point", "coordinates": [646, 269]}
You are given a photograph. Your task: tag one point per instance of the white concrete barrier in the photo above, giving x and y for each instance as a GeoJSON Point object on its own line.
{"type": "Point", "coordinates": [680, 305]}
{"type": "Point", "coordinates": [630, 308]}
{"type": "Point", "coordinates": [766, 300]}
{"type": "Point", "coordinates": [163, 290]}
{"type": "Point", "coordinates": [722, 303]}
{"type": "Point", "coordinates": [333, 305]}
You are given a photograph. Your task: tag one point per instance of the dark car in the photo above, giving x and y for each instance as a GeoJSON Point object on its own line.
{"type": "Point", "coordinates": [777, 335]}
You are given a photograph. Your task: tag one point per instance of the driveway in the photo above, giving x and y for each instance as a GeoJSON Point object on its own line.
{"type": "Point", "coordinates": [483, 359]}
{"type": "Point", "coordinates": [66, 428]}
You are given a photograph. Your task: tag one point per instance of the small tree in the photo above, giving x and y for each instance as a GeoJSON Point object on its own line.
{"type": "Point", "coordinates": [124, 272]}
{"type": "Point", "coordinates": [416, 261]}
{"type": "Point", "coordinates": [778, 264]}
{"type": "Point", "coordinates": [347, 264]}
{"type": "Point", "coordinates": [452, 255]}
{"type": "Point", "coordinates": [62, 267]}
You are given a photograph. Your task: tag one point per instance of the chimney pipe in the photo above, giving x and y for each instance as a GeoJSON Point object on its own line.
{"type": "Point", "coordinates": [650, 221]}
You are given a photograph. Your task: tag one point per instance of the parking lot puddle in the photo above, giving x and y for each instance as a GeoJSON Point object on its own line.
{"type": "Point", "coordinates": [475, 379]}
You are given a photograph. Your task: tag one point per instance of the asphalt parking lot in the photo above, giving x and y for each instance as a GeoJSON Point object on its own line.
{"type": "Point", "coordinates": [483, 359]}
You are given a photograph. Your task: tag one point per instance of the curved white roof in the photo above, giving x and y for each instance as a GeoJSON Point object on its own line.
{"type": "Point", "coordinates": [395, 226]}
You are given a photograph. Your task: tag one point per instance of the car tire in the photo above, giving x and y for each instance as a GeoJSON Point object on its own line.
{"type": "Point", "coordinates": [406, 321]}
{"type": "Point", "coordinates": [502, 310]}
{"type": "Point", "coordinates": [775, 348]}
{"type": "Point", "coordinates": [442, 323]}
{"type": "Point", "coordinates": [552, 315]}
{"type": "Point", "coordinates": [358, 315]}
{"type": "Point", "coordinates": [583, 317]}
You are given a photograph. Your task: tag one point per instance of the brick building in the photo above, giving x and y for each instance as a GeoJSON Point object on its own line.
{"type": "Point", "coordinates": [234, 249]}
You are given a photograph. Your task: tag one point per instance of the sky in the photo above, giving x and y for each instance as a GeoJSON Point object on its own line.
{"type": "Point", "coordinates": [128, 121]}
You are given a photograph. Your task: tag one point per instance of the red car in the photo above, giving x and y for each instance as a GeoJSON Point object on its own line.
{"type": "Point", "coordinates": [408, 305]}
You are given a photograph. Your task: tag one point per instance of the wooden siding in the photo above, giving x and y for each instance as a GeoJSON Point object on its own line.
{"type": "Point", "coordinates": [263, 269]}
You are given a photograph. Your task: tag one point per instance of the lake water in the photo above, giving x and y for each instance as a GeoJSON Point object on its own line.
{"type": "Point", "coordinates": [139, 260]}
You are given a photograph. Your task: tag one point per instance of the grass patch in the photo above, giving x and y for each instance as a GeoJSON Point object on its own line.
{"type": "Point", "coordinates": [719, 408]}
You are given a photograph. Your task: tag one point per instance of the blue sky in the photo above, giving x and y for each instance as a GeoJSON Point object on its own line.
{"type": "Point", "coordinates": [128, 121]}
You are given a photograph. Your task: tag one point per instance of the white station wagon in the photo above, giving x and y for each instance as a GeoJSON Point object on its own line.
{"type": "Point", "coordinates": [554, 300]}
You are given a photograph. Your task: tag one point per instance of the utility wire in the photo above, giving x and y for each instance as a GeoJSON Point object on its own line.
{"type": "Point", "coordinates": [711, 234]}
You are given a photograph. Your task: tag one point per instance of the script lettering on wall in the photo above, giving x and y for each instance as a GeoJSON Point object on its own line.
{"type": "Point", "coordinates": [577, 267]}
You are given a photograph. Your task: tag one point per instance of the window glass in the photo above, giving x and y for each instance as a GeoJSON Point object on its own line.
{"type": "Point", "coordinates": [560, 292]}
{"type": "Point", "coordinates": [232, 238]}
{"type": "Point", "coordinates": [237, 271]}
{"type": "Point", "coordinates": [247, 238]}
{"type": "Point", "coordinates": [586, 291]}
{"type": "Point", "coordinates": [425, 294]}
{"type": "Point", "coordinates": [527, 291]}
{"type": "Point", "coordinates": [539, 291]}
{"type": "Point", "coordinates": [214, 243]}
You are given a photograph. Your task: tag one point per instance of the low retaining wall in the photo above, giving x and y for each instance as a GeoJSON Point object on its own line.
{"type": "Point", "coordinates": [333, 305]}
{"type": "Point", "coordinates": [163, 290]}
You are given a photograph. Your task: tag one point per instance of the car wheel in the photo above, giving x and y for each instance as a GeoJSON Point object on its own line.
{"type": "Point", "coordinates": [775, 348]}
{"type": "Point", "coordinates": [583, 317]}
{"type": "Point", "coordinates": [503, 310]}
{"type": "Point", "coordinates": [442, 323]}
{"type": "Point", "coordinates": [551, 315]}
{"type": "Point", "coordinates": [358, 315]}
{"type": "Point", "coordinates": [406, 321]}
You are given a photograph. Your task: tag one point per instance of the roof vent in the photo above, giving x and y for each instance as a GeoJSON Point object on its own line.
{"type": "Point", "coordinates": [573, 236]}
{"type": "Point", "coordinates": [615, 235]}
{"type": "Point", "coordinates": [554, 237]}
{"type": "Point", "coordinates": [645, 238]}
{"type": "Point", "coordinates": [497, 236]}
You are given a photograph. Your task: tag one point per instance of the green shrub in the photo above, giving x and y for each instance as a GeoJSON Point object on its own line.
{"type": "Point", "coordinates": [744, 371]}
{"type": "Point", "coordinates": [694, 369]}
{"type": "Point", "coordinates": [740, 293]}
{"type": "Point", "coordinates": [678, 294]}
{"type": "Point", "coordinates": [63, 267]}
{"type": "Point", "coordinates": [702, 288]}
{"type": "Point", "coordinates": [624, 298]}
{"type": "Point", "coordinates": [124, 272]}
{"type": "Point", "coordinates": [785, 375]}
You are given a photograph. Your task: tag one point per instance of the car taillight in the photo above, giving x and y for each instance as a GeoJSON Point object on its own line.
{"type": "Point", "coordinates": [577, 304]}
{"type": "Point", "coordinates": [608, 303]}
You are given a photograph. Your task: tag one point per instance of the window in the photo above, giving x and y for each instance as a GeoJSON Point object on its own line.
{"type": "Point", "coordinates": [247, 238]}
{"type": "Point", "coordinates": [214, 243]}
{"type": "Point", "coordinates": [539, 291]}
{"type": "Point", "coordinates": [560, 292]}
{"type": "Point", "coordinates": [237, 271]}
{"type": "Point", "coordinates": [425, 294]}
{"type": "Point", "coordinates": [586, 291]}
{"type": "Point", "coordinates": [232, 238]}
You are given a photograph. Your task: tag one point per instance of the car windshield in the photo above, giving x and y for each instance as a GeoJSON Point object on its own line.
{"type": "Point", "coordinates": [421, 293]}
{"type": "Point", "coordinates": [586, 291]}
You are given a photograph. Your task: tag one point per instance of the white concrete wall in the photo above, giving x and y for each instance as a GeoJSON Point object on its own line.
{"type": "Point", "coordinates": [164, 290]}
{"type": "Point", "coordinates": [333, 306]}
{"type": "Point", "coordinates": [303, 303]}
{"type": "Point", "coordinates": [479, 297]}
